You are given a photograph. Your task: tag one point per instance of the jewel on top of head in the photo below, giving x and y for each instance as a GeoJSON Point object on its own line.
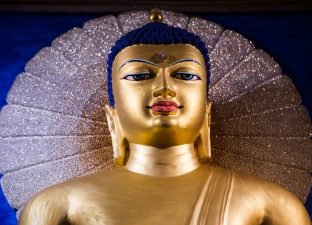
{"type": "Point", "coordinates": [155, 15]}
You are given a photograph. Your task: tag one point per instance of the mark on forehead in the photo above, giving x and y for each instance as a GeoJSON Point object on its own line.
{"type": "Point", "coordinates": [160, 57]}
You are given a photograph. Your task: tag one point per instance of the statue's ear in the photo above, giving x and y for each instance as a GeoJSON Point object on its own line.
{"type": "Point", "coordinates": [119, 142]}
{"type": "Point", "coordinates": [203, 143]}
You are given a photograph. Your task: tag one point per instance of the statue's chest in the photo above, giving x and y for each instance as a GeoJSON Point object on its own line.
{"type": "Point", "coordinates": [166, 207]}
{"type": "Point", "coordinates": [171, 207]}
{"type": "Point", "coordinates": [189, 200]}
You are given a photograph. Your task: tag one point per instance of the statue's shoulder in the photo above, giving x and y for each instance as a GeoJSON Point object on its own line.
{"type": "Point", "coordinates": [269, 200]}
{"type": "Point", "coordinates": [251, 184]}
{"type": "Point", "coordinates": [247, 185]}
{"type": "Point", "coordinates": [256, 185]}
{"type": "Point", "coordinates": [243, 180]}
{"type": "Point", "coordinates": [58, 199]}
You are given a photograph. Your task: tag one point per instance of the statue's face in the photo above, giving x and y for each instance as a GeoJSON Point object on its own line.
{"type": "Point", "coordinates": [160, 93]}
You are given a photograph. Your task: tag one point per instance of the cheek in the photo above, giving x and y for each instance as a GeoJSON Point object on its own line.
{"type": "Point", "coordinates": [193, 99]}
{"type": "Point", "coordinates": [193, 95]}
{"type": "Point", "coordinates": [131, 100]}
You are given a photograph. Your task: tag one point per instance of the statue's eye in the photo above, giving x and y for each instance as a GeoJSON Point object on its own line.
{"type": "Point", "coordinates": [186, 76]}
{"type": "Point", "coordinates": [138, 76]}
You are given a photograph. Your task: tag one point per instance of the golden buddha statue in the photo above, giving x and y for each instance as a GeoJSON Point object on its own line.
{"type": "Point", "coordinates": [159, 122]}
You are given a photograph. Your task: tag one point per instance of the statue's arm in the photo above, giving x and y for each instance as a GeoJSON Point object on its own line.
{"type": "Point", "coordinates": [46, 208]}
{"type": "Point", "coordinates": [284, 208]}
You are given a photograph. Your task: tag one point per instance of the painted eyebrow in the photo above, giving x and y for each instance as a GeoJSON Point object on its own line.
{"type": "Point", "coordinates": [185, 60]}
{"type": "Point", "coordinates": [138, 60]}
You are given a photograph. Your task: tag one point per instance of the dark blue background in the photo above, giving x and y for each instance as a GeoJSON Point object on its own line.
{"type": "Point", "coordinates": [287, 37]}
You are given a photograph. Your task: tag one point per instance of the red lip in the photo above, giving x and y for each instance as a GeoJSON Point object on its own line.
{"type": "Point", "coordinates": [164, 106]}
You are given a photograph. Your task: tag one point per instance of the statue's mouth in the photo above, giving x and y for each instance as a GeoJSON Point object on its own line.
{"type": "Point", "coordinates": [164, 107]}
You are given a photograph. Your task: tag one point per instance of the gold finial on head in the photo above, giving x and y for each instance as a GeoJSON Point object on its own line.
{"type": "Point", "coordinates": [155, 15]}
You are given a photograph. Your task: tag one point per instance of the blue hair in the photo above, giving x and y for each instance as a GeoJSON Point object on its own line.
{"type": "Point", "coordinates": [155, 33]}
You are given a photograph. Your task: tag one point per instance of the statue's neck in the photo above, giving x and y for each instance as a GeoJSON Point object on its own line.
{"type": "Point", "coordinates": [163, 162]}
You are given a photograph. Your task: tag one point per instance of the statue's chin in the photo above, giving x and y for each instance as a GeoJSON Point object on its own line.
{"type": "Point", "coordinates": [165, 121]}
{"type": "Point", "coordinates": [162, 131]}
{"type": "Point", "coordinates": [163, 136]}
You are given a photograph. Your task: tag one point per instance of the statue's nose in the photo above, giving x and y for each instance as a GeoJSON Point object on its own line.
{"type": "Point", "coordinates": [164, 86]}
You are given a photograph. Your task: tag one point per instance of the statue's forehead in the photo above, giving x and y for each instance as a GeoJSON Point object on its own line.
{"type": "Point", "coordinates": [158, 54]}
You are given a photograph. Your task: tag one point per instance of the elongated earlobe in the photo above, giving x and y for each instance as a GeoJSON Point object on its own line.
{"type": "Point", "coordinates": [203, 142]}
{"type": "Point", "coordinates": [119, 142]}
